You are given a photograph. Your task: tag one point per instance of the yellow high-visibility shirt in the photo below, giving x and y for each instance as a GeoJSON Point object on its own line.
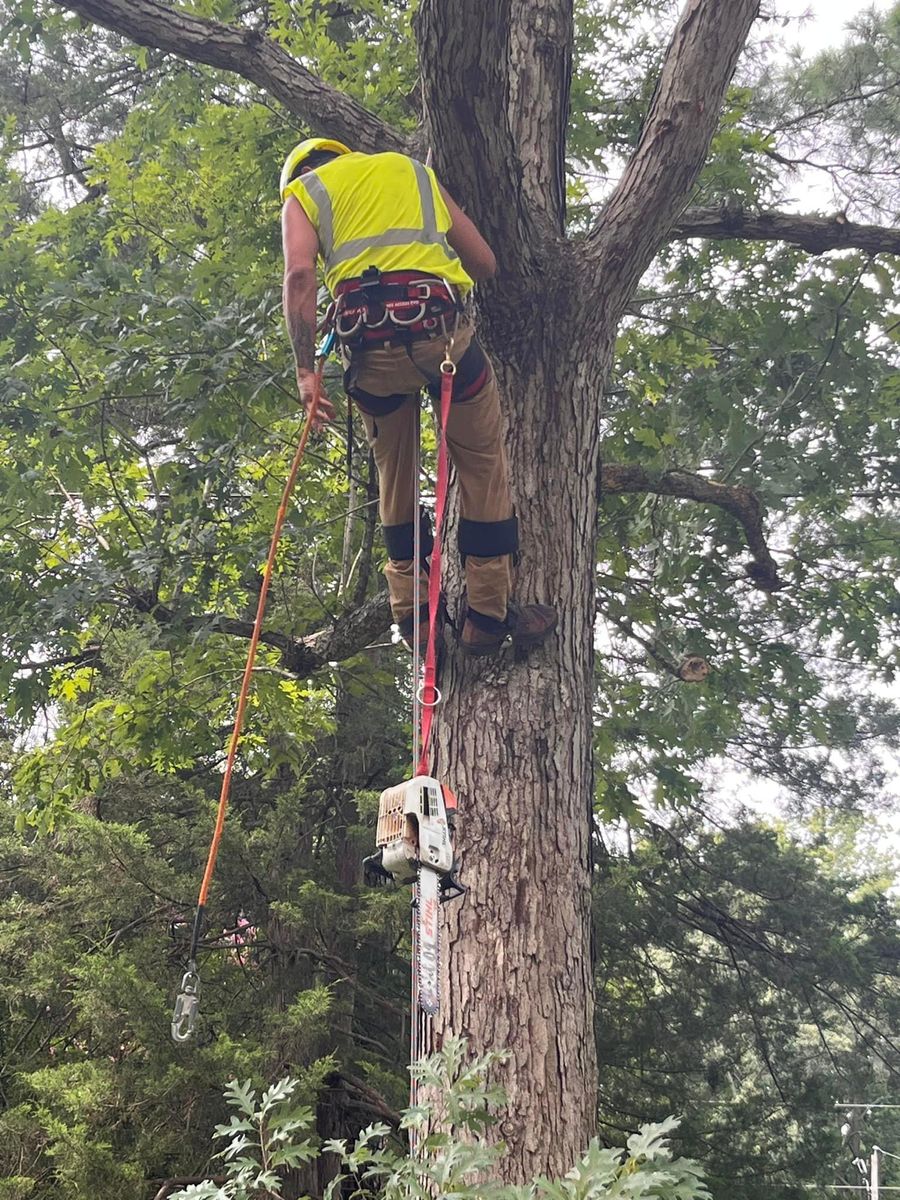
{"type": "Point", "coordinates": [381, 210]}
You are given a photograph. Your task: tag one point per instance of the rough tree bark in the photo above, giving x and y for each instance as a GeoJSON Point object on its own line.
{"type": "Point", "coordinates": [514, 738]}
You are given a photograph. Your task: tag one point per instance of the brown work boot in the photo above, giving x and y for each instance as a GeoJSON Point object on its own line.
{"type": "Point", "coordinates": [534, 624]}
{"type": "Point", "coordinates": [526, 625]}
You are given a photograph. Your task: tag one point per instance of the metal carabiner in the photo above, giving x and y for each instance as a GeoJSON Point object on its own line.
{"type": "Point", "coordinates": [327, 344]}
{"type": "Point", "coordinates": [343, 327]}
{"type": "Point", "coordinates": [401, 321]}
{"type": "Point", "coordinates": [448, 366]}
{"type": "Point", "coordinates": [420, 694]}
{"type": "Point", "coordinates": [184, 1017]}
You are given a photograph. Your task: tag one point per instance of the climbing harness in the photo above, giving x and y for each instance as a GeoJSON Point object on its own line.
{"type": "Point", "coordinates": [379, 307]}
{"type": "Point", "coordinates": [184, 1016]}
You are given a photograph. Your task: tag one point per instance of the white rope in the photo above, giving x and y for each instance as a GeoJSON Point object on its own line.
{"type": "Point", "coordinates": [421, 1024]}
{"type": "Point", "coordinates": [414, 1031]}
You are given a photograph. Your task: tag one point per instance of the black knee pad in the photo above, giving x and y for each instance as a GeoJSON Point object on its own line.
{"type": "Point", "coordinates": [400, 539]}
{"type": "Point", "coordinates": [488, 539]}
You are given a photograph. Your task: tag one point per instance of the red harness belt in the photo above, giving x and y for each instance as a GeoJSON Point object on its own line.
{"type": "Point", "coordinates": [391, 306]}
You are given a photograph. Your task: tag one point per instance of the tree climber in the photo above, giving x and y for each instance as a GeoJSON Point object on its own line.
{"type": "Point", "coordinates": [399, 256]}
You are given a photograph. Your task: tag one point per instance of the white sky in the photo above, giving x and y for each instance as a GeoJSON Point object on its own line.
{"type": "Point", "coordinates": [817, 24]}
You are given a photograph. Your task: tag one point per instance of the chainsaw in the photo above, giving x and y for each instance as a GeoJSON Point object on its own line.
{"type": "Point", "coordinates": [416, 822]}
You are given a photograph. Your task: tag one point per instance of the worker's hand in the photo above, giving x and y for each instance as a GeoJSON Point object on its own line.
{"type": "Point", "coordinates": [306, 386]}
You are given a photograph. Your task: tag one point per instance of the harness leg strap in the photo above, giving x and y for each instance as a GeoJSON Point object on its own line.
{"type": "Point", "coordinates": [369, 403]}
{"type": "Point", "coordinates": [472, 372]}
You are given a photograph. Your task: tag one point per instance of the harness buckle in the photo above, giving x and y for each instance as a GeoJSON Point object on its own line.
{"type": "Point", "coordinates": [419, 291]}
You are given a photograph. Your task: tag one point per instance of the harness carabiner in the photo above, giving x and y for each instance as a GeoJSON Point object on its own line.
{"type": "Point", "coordinates": [187, 1006]}
{"type": "Point", "coordinates": [396, 319]}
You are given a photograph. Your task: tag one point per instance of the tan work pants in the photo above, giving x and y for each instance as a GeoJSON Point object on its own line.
{"type": "Point", "coordinates": [475, 444]}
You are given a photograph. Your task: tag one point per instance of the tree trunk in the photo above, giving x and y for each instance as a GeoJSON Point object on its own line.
{"type": "Point", "coordinates": [514, 742]}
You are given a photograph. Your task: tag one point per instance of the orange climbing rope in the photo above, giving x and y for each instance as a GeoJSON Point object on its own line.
{"type": "Point", "coordinates": [186, 1006]}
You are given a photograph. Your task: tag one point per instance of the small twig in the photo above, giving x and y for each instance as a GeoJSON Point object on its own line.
{"type": "Point", "coordinates": [89, 654]}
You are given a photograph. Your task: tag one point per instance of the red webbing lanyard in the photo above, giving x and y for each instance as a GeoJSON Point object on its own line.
{"type": "Point", "coordinates": [430, 696]}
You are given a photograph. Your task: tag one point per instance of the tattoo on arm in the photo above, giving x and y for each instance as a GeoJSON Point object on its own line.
{"type": "Point", "coordinates": [303, 338]}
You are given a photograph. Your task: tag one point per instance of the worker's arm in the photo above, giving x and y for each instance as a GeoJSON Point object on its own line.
{"type": "Point", "coordinates": [475, 254]}
{"type": "Point", "coordinates": [301, 245]}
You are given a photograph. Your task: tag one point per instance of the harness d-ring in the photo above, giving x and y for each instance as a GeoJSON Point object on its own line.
{"type": "Point", "coordinates": [420, 693]}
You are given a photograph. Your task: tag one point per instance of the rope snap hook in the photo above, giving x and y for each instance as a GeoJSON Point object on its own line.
{"type": "Point", "coordinates": [184, 1017]}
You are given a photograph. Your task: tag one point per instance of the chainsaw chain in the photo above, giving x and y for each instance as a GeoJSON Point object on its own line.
{"type": "Point", "coordinates": [428, 940]}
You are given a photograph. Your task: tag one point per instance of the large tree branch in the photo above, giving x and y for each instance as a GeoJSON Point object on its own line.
{"type": "Point", "coordinates": [739, 501]}
{"type": "Point", "coordinates": [351, 632]}
{"type": "Point", "coordinates": [81, 658]}
{"type": "Point", "coordinates": [673, 143]}
{"type": "Point", "coordinates": [815, 234]}
{"type": "Point", "coordinates": [247, 53]}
